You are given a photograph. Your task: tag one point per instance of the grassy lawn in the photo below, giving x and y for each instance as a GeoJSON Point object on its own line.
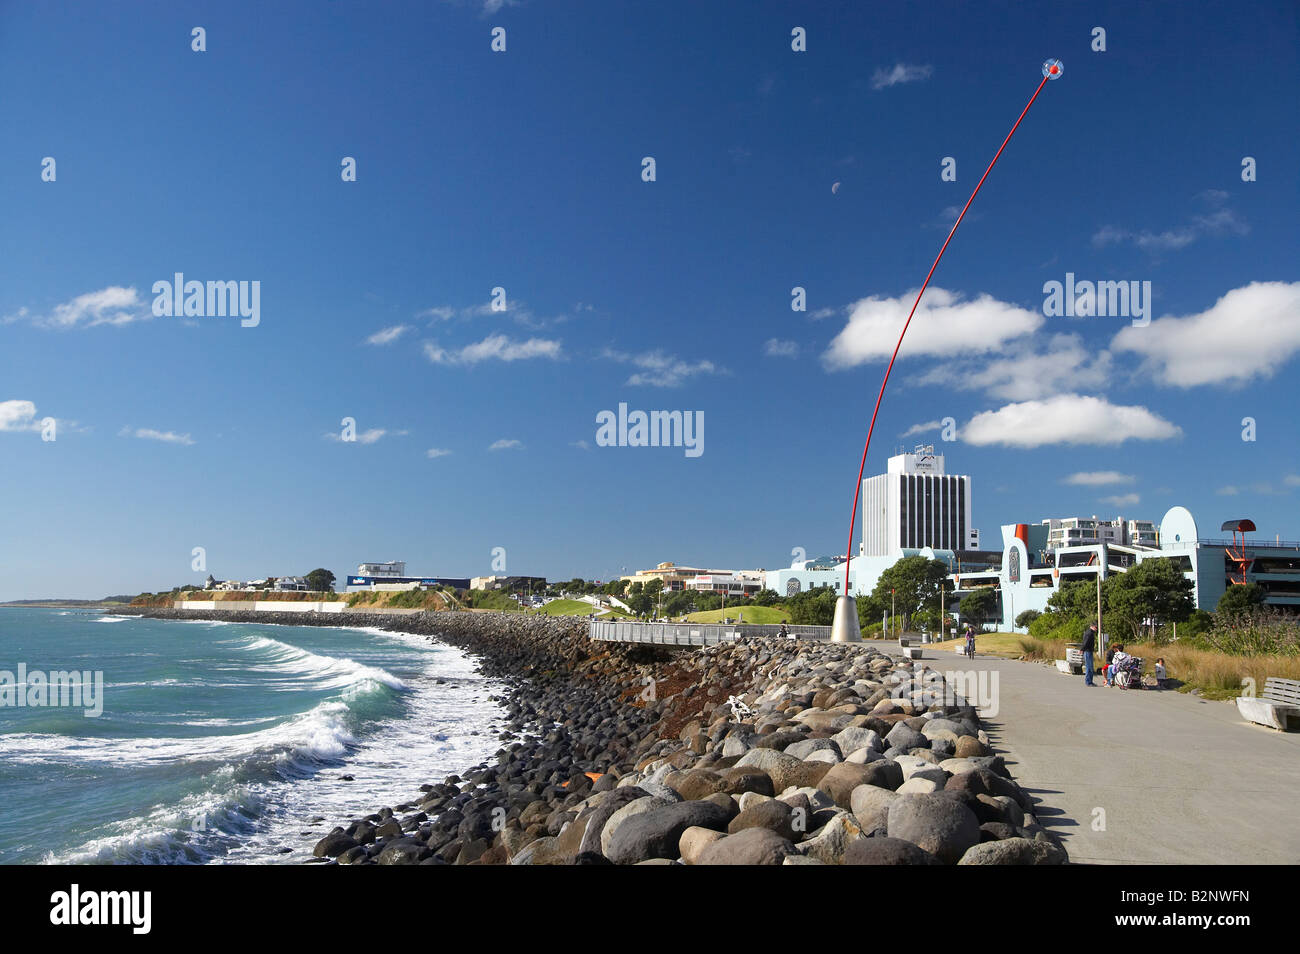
{"type": "Point", "coordinates": [1007, 645]}
{"type": "Point", "coordinates": [750, 614]}
{"type": "Point", "coordinates": [568, 608]}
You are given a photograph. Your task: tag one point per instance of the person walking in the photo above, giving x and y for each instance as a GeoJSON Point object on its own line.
{"type": "Point", "coordinates": [1088, 647]}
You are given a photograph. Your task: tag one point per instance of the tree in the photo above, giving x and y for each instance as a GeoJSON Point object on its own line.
{"type": "Point", "coordinates": [1077, 599]}
{"type": "Point", "coordinates": [766, 598]}
{"type": "Point", "coordinates": [815, 607]}
{"type": "Point", "coordinates": [1240, 599]}
{"type": "Point", "coordinates": [1154, 589]}
{"type": "Point", "coordinates": [915, 582]}
{"type": "Point", "coordinates": [980, 604]}
{"type": "Point", "coordinates": [321, 580]}
{"type": "Point", "coordinates": [636, 588]}
{"type": "Point", "coordinates": [616, 587]}
{"type": "Point", "coordinates": [1028, 616]}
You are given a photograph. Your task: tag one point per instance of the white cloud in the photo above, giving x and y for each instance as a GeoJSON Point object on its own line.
{"type": "Point", "coordinates": [494, 347]}
{"type": "Point", "coordinates": [776, 348]}
{"type": "Point", "coordinates": [1228, 491]}
{"type": "Point", "coordinates": [435, 452]}
{"type": "Point", "coordinates": [581, 445]}
{"type": "Point", "coordinates": [1066, 419]}
{"type": "Point", "coordinates": [821, 313]}
{"type": "Point", "coordinates": [1217, 220]}
{"type": "Point", "coordinates": [923, 428]}
{"type": "Point", "coordinates": [1250, 332]}
{"type": "Point", "coordinates": [1022, 373]}
{"type": "Point", "coordinates": [372, 436]}
{"type": "Point", "coordinates": [440, 313]}
{"type": "Point", "coordinates": [388, 335]}
{"type": "Point", "coordinates": [660, 370]}
{"type": "Point", "coordinates": [1291, 480]}
{"type": "Point", "coordinates": [1098, 478]}
{"type": "Point", "coordinates": [150, 434]}
{"type": "Point", "coordinates": [18, 416]}
{"type": "Point", "coordinates": [114, 305]}
{"type": "Point", "coordinates": [505, 444]}
{"type": "Point", "coordinates": [944, 325]}
{"type": "Point", "coordinates": [899, 73]}
{"type": "Point", "coordinates": [1123, 500]}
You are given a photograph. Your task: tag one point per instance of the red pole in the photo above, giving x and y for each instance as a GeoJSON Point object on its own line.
{"type": "Point", "coordinates": [857, 487]}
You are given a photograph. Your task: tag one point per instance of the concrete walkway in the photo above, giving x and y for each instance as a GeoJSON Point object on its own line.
{"type": "Point", "coordinates": [1143, 777]}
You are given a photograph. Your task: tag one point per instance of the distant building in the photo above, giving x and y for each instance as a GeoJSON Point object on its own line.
{"type": "Point", "coordinates": [726, 584]}
{"type": "Point", "coordinates": [914, 505]}
{"type": "Point", "coordinates": [391, 576]}
{"type": "Point", "coordinates": [679, 577]}
{"type": "Point", "coordinates": [291, 584]}
{"type": "Point", "coordinates": [1081, 531]}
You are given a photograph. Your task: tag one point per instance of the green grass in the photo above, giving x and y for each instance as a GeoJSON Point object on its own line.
{"type": "Point", "coordinates": [749, 614]}
{"type": "Point", "coordinates": [568, 608]}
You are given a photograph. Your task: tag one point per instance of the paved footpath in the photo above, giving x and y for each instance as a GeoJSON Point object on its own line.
{"type": "Point", "coordinates": [1180, 780]}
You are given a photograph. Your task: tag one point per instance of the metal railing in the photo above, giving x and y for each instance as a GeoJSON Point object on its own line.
{"type": "Point", "coordinates": [696, 634]}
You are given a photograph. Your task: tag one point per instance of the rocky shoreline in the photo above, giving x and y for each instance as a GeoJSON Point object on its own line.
{"type": "Point", "coordinates": [829, 754]}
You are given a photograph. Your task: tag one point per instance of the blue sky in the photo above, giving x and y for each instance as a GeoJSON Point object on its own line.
{"type": "Point", "coordinates": [523, 170]}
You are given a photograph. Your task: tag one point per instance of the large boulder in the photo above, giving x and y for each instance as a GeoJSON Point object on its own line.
{"type": "Point", "coordinates": [842, 779]}
{"type": "Point", "coordinates": [942, 826]}
{"type": "Point", "coordinates": [609, 803]}
{"type": "Point", "coordinates": [836, 836]}
{"type": "Point", "coordinates": [694, 841]}
{"type": "Point", "coordinates": [855, 737]}
{"type": "Point", "coordinates": [625, 814]}
{"type": "Point", "coordinates": [904, 738]}
{"type": "Point", "coordinates": [334, 844]}
{"type": "Point", "coordinates": [753, 846]}
{"type": "Point", "coordinates": [887, 851]}
{"type": "Point", "coordinates": [771, 814]}
{"type": "Point", "coordinates": [870, 805]}
{"type": "Point", "coordinates": [1014, 851]}
{"type": "Point", "coordinates": [658, 832]}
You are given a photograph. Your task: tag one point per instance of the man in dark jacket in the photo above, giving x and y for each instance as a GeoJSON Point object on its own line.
{"type": "Point", "coordinates": [1089, 647]}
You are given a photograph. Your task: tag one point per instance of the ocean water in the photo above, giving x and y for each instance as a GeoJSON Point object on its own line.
{"type": "Point", "coordinates": [222, 742]}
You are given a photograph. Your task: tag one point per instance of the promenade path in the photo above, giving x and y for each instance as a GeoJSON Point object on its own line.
{"type": "Point", "coordinates": [1180, 780]}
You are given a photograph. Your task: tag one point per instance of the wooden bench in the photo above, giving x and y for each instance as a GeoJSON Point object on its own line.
{"type": "Point", "coordinates": [1281, 699]}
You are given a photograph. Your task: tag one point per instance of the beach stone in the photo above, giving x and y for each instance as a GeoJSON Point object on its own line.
{"type": "Point", "coordinates": [842, 779]}
{"type": "Point", "coordinates": [605, 807]}
{"type": "Point", "coordinates": [801, 860]}
{"type": "Point", "coordinates": [870, 805]}
{"type": "Point", "coordinates": [918, 786]}
{"type": "Point", "coordinates": [402, 851]}
{"type": "Point", "coordinates": [864, 755]}
{"type": "Point", "coordinates": [753, 846]}
{"type": "Point", "coordinates": [693, 842]}
{"type": "Point", "coordinates": [801, 750]}
{"type": "Point", "coordinates": [1013, 851]}
{"type": "Point", "coordinates": [903, 737]}
{"type": "Point", "coordinates": [942, 826]}
{"type": "Point", "coordinates": [887, 851]}
{"type": "Point", "coordinates": [750, 799]}
{"type": "Point", "coordinates": [696, 783]}
{"type": "Point", "coordinates": [947, 729]}
{"type": "Point", "coordinates": [770, 814]}
{"type": "Point", "coordinates": [853, 738]}
{"type": "Point", "coordinates": [744, 779]}
{"type": "Point", "coordinates": [829, 756]}
{"type": "Point", "coordinates": [883, 774]}
{"type": "Point", "coordinates": [913, 766]}
{"type": "Point", "coordinates": [334, 844]}
{"type": "Point", "coordinates": [656, 833]}
{"type": "Point", "coordinates": [623, 814]}
{"type": "Point", "coordinates": [970, 747]}
{"type": "Point", "coordinates": [830, 844]}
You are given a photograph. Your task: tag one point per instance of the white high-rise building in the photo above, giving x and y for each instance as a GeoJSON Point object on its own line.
{"type": "Point", "coordinates": [915, 505]}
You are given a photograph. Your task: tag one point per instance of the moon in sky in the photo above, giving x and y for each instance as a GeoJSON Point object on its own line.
{"type": "Point", "coordinates": [835, 188]}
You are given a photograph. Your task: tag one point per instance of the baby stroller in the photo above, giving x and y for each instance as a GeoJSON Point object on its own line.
{"type": "Point", "coordinates": [1128, 671]}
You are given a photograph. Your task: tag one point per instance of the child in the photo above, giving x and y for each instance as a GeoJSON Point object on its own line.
{"type": "Point", "coordinates": [1160, 673]}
